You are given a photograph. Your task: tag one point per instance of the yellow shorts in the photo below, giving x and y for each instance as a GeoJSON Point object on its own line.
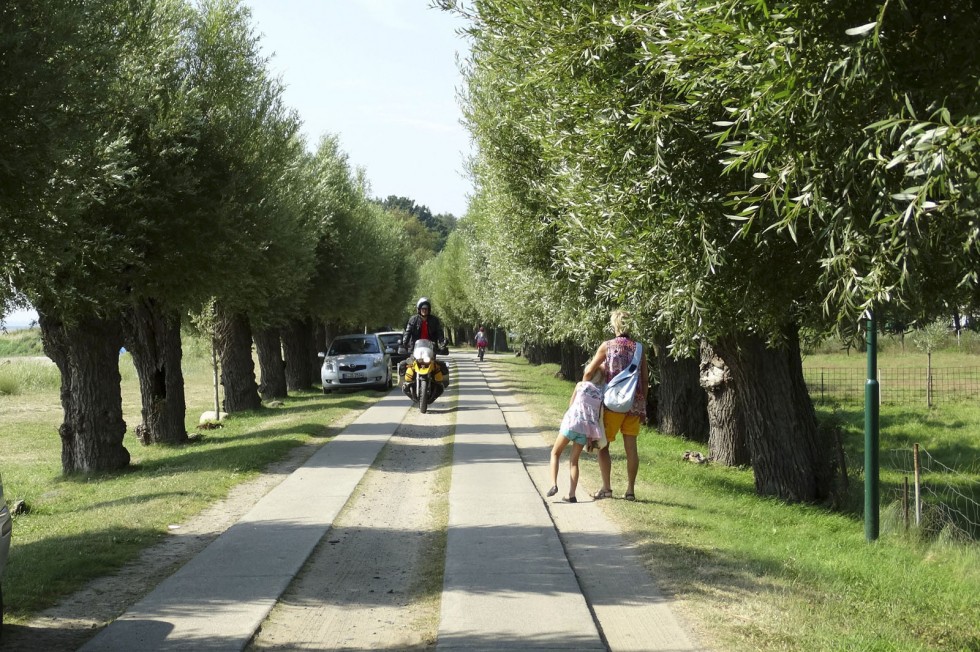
{"type": "Point", "coordinates": [613, 422]}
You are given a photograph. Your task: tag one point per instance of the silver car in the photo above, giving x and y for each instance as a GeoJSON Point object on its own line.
{"type": "Point", "coordinates": [356, 361]}
{"type": "Point", "coordinates": [5, 530]}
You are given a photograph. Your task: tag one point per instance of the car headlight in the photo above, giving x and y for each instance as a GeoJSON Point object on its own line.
{"type": "Point", "coordinates": [330, 365]}
{"type": "Point", "coordinates": [378, 363]}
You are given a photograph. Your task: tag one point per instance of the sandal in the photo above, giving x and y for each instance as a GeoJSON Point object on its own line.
{"type": "Point", "coordinates": [552, 491]}
{"type": "Point", "coordinates": [602, 493]}
{"type": "Point", "coordinates": [570, 499]}
{"type": "Point", "coordinates": [629, 496]}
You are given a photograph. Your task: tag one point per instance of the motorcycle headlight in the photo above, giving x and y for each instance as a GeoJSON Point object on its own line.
{"type": "Point", "coordinates": [426, 358]}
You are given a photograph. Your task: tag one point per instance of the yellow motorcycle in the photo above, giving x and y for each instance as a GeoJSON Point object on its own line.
{"type": "Point", "coordinates": [423, 375]}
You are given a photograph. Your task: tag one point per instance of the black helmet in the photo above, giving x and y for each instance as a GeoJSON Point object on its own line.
{"type": "Point", "coordinates": [424, 301]}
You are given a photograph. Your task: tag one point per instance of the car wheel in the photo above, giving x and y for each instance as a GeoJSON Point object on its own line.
{"type": "Point", "coordinates": [326, 391]}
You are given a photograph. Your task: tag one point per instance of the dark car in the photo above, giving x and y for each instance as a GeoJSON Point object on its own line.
{"type": "Point", "coordinates": [393, 340]}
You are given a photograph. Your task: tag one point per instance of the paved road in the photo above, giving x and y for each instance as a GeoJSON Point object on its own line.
{"type": "Point", "coordinates": [521, 572]}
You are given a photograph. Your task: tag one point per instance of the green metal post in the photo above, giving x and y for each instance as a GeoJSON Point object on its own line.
{"type": "Point", "coordinates": [871, 434]}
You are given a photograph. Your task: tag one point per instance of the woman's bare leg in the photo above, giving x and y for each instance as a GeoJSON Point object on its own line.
{"type": "Point", "coordinates": [632, 462]}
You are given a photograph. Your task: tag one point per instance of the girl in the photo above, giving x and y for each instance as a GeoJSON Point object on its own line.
{"type": "Point", "coordinates": [581, 424]}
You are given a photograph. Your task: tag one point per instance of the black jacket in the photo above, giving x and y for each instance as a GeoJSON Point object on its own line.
{"type": "Point", "coordinates": [413, 331]}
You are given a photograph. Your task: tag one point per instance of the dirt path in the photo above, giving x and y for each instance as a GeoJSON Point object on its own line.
{"type": "Point", "coordinates": [375, 580]}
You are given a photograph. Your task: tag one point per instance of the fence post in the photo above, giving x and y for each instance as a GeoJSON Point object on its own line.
{"type": "Point", "coordinates": [918, 482]}
{"type": "Point", "coordinates": [905, 501]}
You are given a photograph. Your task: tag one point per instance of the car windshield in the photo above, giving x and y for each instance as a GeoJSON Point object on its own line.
{"type": "Point", "coordinates": [353, 345]}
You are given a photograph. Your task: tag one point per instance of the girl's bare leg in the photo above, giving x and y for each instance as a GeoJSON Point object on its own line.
{"type": "Point", "coordinates": [560, 443]}
{"type": "Point", "coordinates": [573, 469]}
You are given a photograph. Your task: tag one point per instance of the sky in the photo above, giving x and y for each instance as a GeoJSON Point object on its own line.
{"type": "Point", "coordinates": [382, 76]}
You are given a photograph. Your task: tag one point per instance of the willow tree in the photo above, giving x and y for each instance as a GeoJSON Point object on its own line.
{"type": "Point", "coordinates": [60, 64]}
{"type": "Point", "coordinates": [719, 168]}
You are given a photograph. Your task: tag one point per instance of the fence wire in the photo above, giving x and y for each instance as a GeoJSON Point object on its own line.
{"type": "Point", "coordinates": [949, 497]}
{"type": "Point", "coordinates": [896, 386]}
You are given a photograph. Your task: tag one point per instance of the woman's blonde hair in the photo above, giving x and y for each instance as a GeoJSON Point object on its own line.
{"type": "Point", "coordinates": [618, 321]}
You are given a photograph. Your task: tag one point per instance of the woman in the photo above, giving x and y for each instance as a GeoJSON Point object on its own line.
{"type": "Point", "coordinates": [611, 357]}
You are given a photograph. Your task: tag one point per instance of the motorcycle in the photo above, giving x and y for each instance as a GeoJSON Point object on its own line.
{"type": "Point", "coordinates": [423, 377]}
{"type": "Point", "coordinates": [481, 348]}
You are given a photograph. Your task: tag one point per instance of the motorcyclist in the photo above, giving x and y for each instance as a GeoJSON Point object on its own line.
{"type": "Point", "coordinates": [423, 325]}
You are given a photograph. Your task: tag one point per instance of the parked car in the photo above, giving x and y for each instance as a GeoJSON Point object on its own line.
{"type": "Point", "coordinates": [356, 361]}
{"type": "Point", "coordinates": [5, 530]}
{"type": "Point", "coordinates": [393, 340]}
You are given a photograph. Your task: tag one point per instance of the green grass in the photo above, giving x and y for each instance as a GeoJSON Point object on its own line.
{"type": "Point", "coordinates": [26, 342]}
{"type": "Point", "coordinates": [79, 528]}
{"type": "Point", "coordinates": [759, 574]}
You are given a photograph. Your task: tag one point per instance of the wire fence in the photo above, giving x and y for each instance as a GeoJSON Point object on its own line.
{"type": "Point", "coordinates": [941, 500]}
{"type": "Point", "coordinates": [897, 386]}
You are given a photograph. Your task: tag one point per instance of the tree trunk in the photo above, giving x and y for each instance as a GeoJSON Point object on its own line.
{"type": "Point", "coordinates": [542, 353]}
{"type": "Point", "coordinates": [573, 360]}
{"type": "Point", "coordinates": [300, 354]}
{"type": "Point", "coordinates": [152, 337]}
{"type": "Point", "coordinates": [790, 458]}
{"type": "Point", "coordinates": [498, 339]}
{"type": "Point", "coordinates": [727, 441]}
{"type": "Point", "coordinates": [319, 343]}
{"type": "Point", "coordinates": [272, 368]}
{"type": "Point", "coordinates": [87, 355]}
{"type": "Point", "coordinates": [237, 366]}
{"type": "Point", "coordinates": [681, 403]}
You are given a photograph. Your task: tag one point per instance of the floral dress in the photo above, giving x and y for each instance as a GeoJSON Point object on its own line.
{"type": "Point", "coordinates": [619, 355]}
{"type": "Point", "coordinates": [582, 416]}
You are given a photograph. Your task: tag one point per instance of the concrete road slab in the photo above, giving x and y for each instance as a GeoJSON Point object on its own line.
{"type": "Point", "coordinates": [219, 599]}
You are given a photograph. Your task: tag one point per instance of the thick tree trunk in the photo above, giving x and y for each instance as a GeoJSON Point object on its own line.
{"type": "Point", "coordinates": [727, 441]}
{"type": "Point", "coordinates": [152, 337]}
{"type": "Point", "coordinates": [573, 360]}
{"type": "Point", "coordinates": [681, 404]}
{"type": "Point", "coordinates": [87, 354]}
{"type": "Point", "coordinates": [790, 458]}
{"type": "Point", "coordinates": [542, 353]}
{"type": "Point", "coordinates": [300, 354]}
{"type": "Point", "coordinates": [317, 332]}
{"type": "Point", "coordinates": [237, 366]}
{"type": "Point", "coordinates": [498, 340]}
{"type": "Point", "coordinates": [272, 368]}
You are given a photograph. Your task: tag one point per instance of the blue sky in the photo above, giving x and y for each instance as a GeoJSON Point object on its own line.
{"type": "Point", "coordinates": [382, 76]}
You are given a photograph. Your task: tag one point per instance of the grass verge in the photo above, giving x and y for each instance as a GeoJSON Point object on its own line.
{"type": "Point", "coordinates": [78, 528]}
{"type": "Point", "coordinates": [754, 573]}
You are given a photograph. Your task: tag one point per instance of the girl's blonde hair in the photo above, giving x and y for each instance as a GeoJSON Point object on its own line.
{"type": "Point", "coordinates": [618, 322]}
{"type": "Point", "coordinates": [599, 377]}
